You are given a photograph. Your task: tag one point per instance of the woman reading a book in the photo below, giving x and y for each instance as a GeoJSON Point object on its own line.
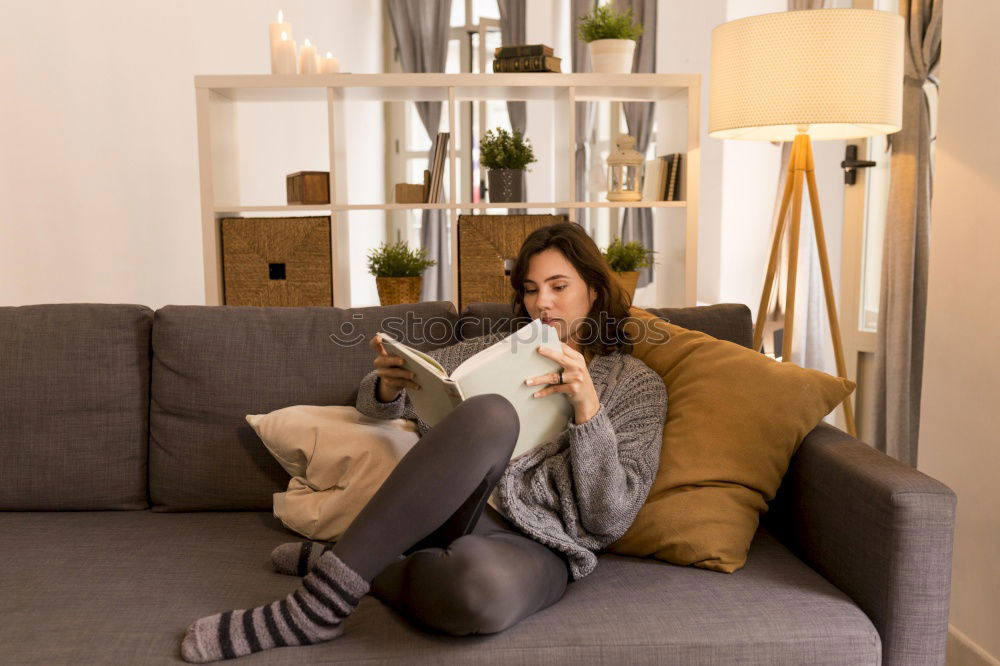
{"type": "Point", "coordinates": [461, 538]}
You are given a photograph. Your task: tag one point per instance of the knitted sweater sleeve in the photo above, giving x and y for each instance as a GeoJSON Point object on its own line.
{"type": "Point", "coordinates": [615, 454]}
{"type": "Point", "coordinates": [449, 357]}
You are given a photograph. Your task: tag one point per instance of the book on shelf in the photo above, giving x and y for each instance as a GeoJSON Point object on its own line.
{"type": "Point", "coordinates": [661, 178]}
{"type": "Point", "coordinates": [523, 64]}
{"type": "Point", "coordinates": [437, 166]}
{"type": "Point", "coordinates": [500, 368]}
{"type": "Point", "coordinates": [651, 173]}
{"type": "Point", "coordinates": [673, 183]}
{"type": "Point", "coordinates": [517, 50]}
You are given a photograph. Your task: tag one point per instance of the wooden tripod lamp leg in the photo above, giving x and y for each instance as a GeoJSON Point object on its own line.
{"type": "Point", "coordinates": [772, 264]}
{"type": "Point", "coordinates": [798, 158]}
{"type": "Point", "coordinates": [831, 306]}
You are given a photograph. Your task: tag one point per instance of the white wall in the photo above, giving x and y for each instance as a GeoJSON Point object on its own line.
{"type": "Point", "coordinates": [99, 190]}
{"type": "Point", "coordinates": [959, 442]}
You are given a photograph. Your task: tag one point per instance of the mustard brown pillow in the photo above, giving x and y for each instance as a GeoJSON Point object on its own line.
{"type": "Point", "coordinates": [735, 418]}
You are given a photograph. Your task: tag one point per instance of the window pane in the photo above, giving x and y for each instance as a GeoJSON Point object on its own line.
{"type": "Point", "coordinates": [415, 171]}
{"type": "Point", "coordinates": [457, 13]}
{"type": "Point", "coordinates": [453, 65]}
{"type": "Point", "coordinates": [492, 44]}
{"type": "Point", "coordinates": [876, 205]}
{"type": "Point", "coordinates": [416, 135]}
{"type": "Point", "coordinates": [484, 9]}
{"type": "Point", "coordinates": [496, 115]}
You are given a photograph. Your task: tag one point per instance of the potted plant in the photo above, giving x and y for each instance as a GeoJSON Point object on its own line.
{"type": "Point", "coordinates": [610, 35]}
{"type": "Point", "coordinates": [398, 272]}
{"type": "Point", "coordinates": [625, 259]}
{"type": "Point", "coordinates": [506, 156]}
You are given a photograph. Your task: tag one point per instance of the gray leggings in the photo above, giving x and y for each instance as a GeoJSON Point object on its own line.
{"type": "Point", "coordinates": [467, 569]}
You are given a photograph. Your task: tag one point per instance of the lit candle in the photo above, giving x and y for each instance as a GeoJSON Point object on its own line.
{"type": "Point", "coordinates": [329, 64]}
{"type": "Point", "coordinates": [276, 29]}
{"type": "Point", "coordinates": [284, 62]}
{"type": "Point", "coordinates": [307, 59]}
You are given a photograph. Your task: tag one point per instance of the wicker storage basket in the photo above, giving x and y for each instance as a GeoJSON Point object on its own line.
{"type": "Point", "coordinates": [398, 290]}
{"type": "Point", "coordinates": [484, 242]}
{"type": "Point", "coordinates": [276, 261]}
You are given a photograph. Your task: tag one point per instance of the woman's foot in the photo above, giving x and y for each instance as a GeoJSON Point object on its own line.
{"type": "Point", "coordinates": [297, 558]}
{"type": "Point", "coordinates": [311, 614]}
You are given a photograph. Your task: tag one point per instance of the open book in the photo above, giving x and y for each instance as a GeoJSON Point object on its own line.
{"type": "Point", "coordinates": [500, 368]}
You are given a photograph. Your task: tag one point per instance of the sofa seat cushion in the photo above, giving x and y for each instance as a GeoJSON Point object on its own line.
{"type": "Point", "coordinates": [121, 587]}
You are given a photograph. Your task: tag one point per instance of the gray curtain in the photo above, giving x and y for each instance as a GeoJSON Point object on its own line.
{"type": "Point", "coordinates": [584, 110]}
{"type": "Point", "coordinates": [421, 29]}
{"type": "Point", "coordinates": [899, 353]}
{"type": "Point", "coordinates": [638, 222]}
{"type": "Point", "coordinates": [513, 22]}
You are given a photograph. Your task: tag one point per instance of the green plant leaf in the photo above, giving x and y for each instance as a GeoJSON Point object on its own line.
{"type": "Point", "coordinates": [398, 260]}
{"type": "Point", "coordinates": [606, 22]}
{"type": "Point", "coordinates": [499, 149]}
{"type": "Point", "coordinates": [631, 256]}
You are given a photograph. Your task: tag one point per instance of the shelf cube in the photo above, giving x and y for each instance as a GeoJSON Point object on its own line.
{"type": "Point", "coordinates": [276, 261]}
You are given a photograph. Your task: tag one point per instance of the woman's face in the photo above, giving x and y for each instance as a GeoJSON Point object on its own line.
{"type": "Point", "coordinates": [555, 293]}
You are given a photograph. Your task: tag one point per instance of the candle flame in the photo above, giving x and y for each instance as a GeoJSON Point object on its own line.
{"type": "Point", "coordinates": [284, 36]}
{"type": "Point", "coordinates": [307, 42]}
{"type": "Point", "coordinates": [281, 16]}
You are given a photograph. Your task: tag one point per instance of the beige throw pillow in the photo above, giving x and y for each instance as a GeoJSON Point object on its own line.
{"type": "Point", "coordinates": [337, 458]}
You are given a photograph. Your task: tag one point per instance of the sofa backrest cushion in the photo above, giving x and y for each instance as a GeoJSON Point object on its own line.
{"type": "Point", "coordinates": [74, 406]}
{"type": "Point", "coordinates": [214, 365]}
{"type": "Point", "coordinates": [725, 321]}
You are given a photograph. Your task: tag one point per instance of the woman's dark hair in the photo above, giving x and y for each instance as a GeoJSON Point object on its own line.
{"type": "Point", "coordinates": [604, 330]}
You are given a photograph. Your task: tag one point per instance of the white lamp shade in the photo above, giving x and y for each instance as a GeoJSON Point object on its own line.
{"type": "Point", "coordinates": [834, 73]}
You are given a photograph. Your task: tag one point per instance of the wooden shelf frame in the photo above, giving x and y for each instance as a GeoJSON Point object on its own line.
{"type": "Point", "coordinates": [216, 96]}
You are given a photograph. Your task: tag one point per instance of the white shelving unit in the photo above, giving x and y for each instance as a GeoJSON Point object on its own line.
{"type": "Point", "coordinates": [217, 96]}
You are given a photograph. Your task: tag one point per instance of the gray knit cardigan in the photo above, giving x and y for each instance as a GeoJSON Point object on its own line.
{"type": "Point", "coordinates": [581, 491]}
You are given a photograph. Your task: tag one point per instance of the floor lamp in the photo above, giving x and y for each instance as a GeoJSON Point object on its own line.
{"type": "Point", "coordinates": [801, 76]}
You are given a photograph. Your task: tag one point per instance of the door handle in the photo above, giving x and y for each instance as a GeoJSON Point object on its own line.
{"type": "Point", "coordinates": [851, 164]}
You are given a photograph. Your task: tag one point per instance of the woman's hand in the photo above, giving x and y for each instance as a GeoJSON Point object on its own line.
{"type": "Point", "coordinates": [576, 382]}
{"type": "Point", "coordinates": [392, 377]}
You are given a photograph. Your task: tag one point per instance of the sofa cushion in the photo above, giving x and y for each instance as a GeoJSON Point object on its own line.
{"type": "Point", "coordinates": [214, 365]}
{"type": "Point", "coordinates": [74, 406]}
{"type": "Point", "coordinates": [735, 418]}
{"type": "Point", "coordinates": [133, 581]}
{"type": "Point", "coordinates": [725, 321]}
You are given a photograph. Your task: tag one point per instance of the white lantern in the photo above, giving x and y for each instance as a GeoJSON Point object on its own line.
{"type": "Point", "coordinates": [625, 171]}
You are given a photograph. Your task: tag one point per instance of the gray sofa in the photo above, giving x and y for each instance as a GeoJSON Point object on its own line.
{"type": "Point", "coordinates": [135, 499]}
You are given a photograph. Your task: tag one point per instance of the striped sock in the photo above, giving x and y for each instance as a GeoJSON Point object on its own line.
{"type": "Point", "coordinates": [297, 558]}
{"type": "Point", "coordinates": [311, 614]}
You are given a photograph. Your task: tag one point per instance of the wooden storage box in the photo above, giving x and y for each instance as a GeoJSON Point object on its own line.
{"type": "Point", "coordinates": [484, 242]}
{"type": "Point", "coordinates": [276, 261]}
{"type": "Point", "coordinates": [308, 187]}
{"type": "Point", "coordinates": [406, 193]}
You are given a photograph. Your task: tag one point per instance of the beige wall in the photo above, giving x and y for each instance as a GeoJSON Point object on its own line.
{"type": "Point", "coordinates": [99, 190]}
{"type": "Point", "coordinates": [959, 434]}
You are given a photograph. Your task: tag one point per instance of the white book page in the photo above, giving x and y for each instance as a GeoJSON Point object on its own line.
{"type": "Point", "coordinates": [438, 394]}
{"type": "Point", "coordinates": [502, 369]}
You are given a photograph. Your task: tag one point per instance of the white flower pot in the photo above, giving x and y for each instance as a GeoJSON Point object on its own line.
{"type": "Point", "coordinates": [612, 56]}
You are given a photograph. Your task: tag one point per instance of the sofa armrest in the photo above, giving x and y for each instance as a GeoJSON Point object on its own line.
{"type": "Point", "coordinates": [879, 530]}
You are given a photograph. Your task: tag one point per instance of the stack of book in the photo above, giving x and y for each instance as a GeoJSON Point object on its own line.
{"type": "Point", "coordinates": [662, 179]}
{"type": "Point", "coordinates": [525, 58]}
{"type": "Point", "coordinates": [437, 167]}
